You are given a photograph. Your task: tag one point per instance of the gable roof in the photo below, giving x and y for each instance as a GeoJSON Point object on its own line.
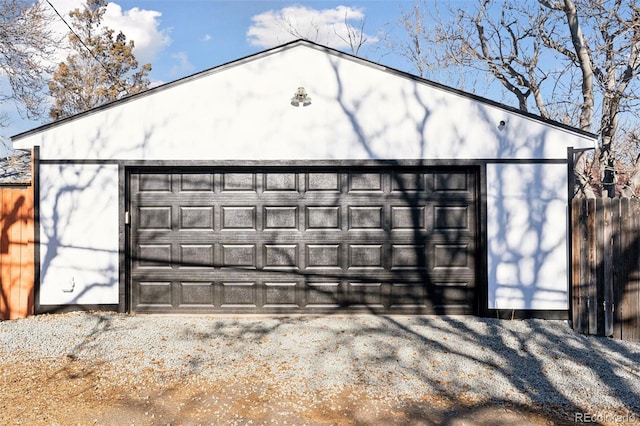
{"type": "Point", "coordinates": [311, 45]}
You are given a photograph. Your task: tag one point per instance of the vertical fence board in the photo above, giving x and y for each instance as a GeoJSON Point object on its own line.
{"type": "Point", "coordinates": [618, 268]}
{"type": "Point", "coordinates": [4, 292]}
{"type": "Point", "coordinates": [608, 262]}
{"type": "Point", "coordinates": [24, 257]}
{"type": "Point", "coordinates": [15, 240]}
{"type": "Point", "coordinates": [601, 250]}
{"type": "Point", "coordinates": [28, 256]}
{"type": "Point", "coordinates": [576, 237]}
{"type": "Point", "coordinates": [627, 243]}
{"type": "Point", "coordinates": [631, 317]}
{"type": "Point", "coordinates": [581, 257]}
{"type": "Point", "coordinates": [585, 275]}
{"type": "Point", "coordinates": [592, 261]}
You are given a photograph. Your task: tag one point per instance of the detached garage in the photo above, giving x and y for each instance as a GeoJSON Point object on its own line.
{"type": "Point", "coordinates": [304, 180]}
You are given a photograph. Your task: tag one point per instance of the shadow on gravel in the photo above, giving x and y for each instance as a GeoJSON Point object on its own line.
{"type": "Point", "coordinates": [339, 370]}
{"type": "Point", "coordinates": [529, 351]}
{"type": "Point", "coordinates": [471, 367]}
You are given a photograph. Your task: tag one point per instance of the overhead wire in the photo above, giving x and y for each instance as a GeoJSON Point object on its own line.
{"type": "Point", "coordinates": [78, 37]}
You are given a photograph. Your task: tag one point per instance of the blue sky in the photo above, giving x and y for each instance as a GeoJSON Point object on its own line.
{"type": "Point", "coordinates": [180, 38]}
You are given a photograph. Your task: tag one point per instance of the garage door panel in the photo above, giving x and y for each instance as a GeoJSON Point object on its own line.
{"type": "Point", "coordinates": [281, 295]}
{"type": "Point", "coordinates": [198, 218]}
{"type": "Point", "coordinates": [239, 217]}
{"type": "Point", "coordinates": [239, 256]}
{"type": "Point", "coordinates": [323, 218]}
{"type": "Point", "coordinates": [239, 182]}
{"type": "Point", "coordinates": [408, 182]}
{"type": "Point", "coordinates": [451, 181]}
{"type": "Point", "coordinates": [403, 217]}
{"type": "Point", "coordinates": [324, 182]}
{"type": "Point", "coordinates": [154, 293]}
{"type": "Point", "coordinates": [323, 256]}
{"type": "Point", "coordinates": [239, 294]}
{"type": "Point", "coordinates": [366, 217]}
{"type": "Point", "coordinates": [190, 182]}
{"type": "Point", "coordinates": [155, 218]}
{"type": "Point", "coordinates": [280, 182]}
{"type": "Point", "coordinates": [281, 256]}
{"type": "Point", "coordinates": [196, 256]}
{"type": "Point", "coordinates": [322, 295]}
{"type": "Point", "coordinates": [409, 256]}
{"type": "Point", "coordinates": [366, 295]}
{"type": "Point", "coordinates": [453, 256]}
{"type": "Point", "coordinates": [153, 256]}
{"type": "Point", "coordinates": [154, 182]}
{"type": "Point", "coordinates": [366, 256]}
{"type": "Point", "coordinates": [408, 296]}
{"type": "Point", "coordinates": [451, 218]}
{"type": "Point", "coordinates": [197, 294]}
{"type": "Point", "coordinates": [295, 240]}
{"type": "Point", "coordinates": [366, 182]}
{"type": "Point", "coordinates": [280, 218]}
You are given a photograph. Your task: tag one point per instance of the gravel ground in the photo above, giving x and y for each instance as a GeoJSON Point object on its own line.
{"type": "Point", "coordinates": [396, 361]}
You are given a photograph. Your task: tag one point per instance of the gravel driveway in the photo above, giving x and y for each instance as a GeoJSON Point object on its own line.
{"type": "Point", "coordinates": [316, 370]}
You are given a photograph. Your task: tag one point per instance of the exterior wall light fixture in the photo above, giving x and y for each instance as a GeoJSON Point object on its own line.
{"type": "Point", "coordinates": [300, 97]}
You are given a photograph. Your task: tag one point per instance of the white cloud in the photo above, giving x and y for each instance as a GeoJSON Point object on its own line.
{"type": "Point", "coordinates": [206, 37]}
{"type": "Point", "coordinates": [140, 25]}
{"type": "Point", "coordinates": [329, 27]}
{"type": "Point", "coordinates": [58, 27]}
{"type": "Point", "coordinates": [182, 65]}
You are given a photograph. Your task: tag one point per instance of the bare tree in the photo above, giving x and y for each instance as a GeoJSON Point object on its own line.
{"type": "Point", "coordinates": [355, 37]}
{"type": "Point", "coordinates": [101, 69]}
{"type": "Point", "coordinates": [415, 45]}
{"type": "Point", "coordinates": [26, 47]}
{"type": "Point", "coordinates": [352, 36]}
{"type": "Point", "coordinates": [574, 61]}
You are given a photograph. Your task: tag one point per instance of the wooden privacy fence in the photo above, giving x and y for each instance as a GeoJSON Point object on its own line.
{"type": "Point", "coordinates": [606, 267]}
{"type": "Point", "coordinates": [16, 252]}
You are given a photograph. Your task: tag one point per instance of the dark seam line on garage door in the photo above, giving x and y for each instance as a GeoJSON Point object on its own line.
{"type": "Point", "coordinates": [524, 161]}
{"type": "Point", "coordinates": [80, 162]}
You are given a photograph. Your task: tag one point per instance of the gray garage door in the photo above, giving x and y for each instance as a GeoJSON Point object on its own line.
{"type": "Point", "coordinates": [303, 240]}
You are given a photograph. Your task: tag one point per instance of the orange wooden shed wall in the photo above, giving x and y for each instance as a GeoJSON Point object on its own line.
{"type": "Point", "coordinates": [16, 252]}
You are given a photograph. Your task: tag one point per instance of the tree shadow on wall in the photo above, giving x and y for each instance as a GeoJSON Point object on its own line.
{"type": "Point", "coordinates": [65, 190]}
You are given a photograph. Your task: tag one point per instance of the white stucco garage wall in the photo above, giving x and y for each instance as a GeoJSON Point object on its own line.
{"type": "Point", "coordinates": [78, 234]}
{"type": "Point", "coordinates": [527, 236]}
{"type": "Point", "coordinates": [359, 110]}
